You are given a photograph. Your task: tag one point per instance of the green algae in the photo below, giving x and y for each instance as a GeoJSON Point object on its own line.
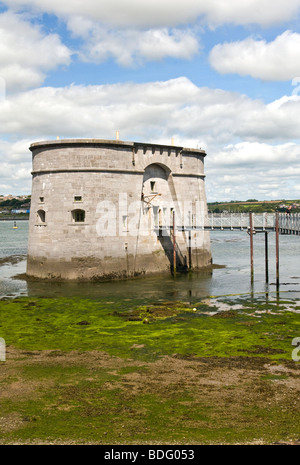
{"type": "Point", "coordinates": [87, 401]}
{"type": "Point", "coordinates": [256, 328]}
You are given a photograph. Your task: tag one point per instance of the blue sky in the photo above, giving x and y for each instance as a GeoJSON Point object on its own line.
{"type": "Point", "coordinates": [219, 75]}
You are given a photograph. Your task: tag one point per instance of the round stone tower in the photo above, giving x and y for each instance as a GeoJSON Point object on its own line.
{"type": "Point", "coordinates": [106, 209]}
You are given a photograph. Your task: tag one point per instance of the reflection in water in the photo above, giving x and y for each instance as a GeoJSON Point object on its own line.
{"type": "Point", "coordinates": [163, 287]}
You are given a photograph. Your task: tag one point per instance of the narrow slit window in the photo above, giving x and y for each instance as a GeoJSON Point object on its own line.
{"type": "Point", "coordinates": [124, 222]}
{"type": "Point", "coordinates": [41, 216]}
{"type": "Point", "coordinates": [152, 185]}
{"type": "Point", "coordinates": [78, 216]}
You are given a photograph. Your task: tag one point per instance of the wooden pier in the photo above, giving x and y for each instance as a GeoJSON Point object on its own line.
{"type": "Point", "coordinates": [252, 223]}
{"type": "Point", "coordinates": [258, 222]}
{"type": "Point", "coordinates": [289, 223]}
{"type": "Point", "coordinates": [238, 221]}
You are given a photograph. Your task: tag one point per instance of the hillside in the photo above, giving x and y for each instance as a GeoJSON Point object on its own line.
{"type": "Point", "coordinates": [237, 206]}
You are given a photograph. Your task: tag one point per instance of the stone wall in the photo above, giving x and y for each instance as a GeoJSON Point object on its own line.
{"type": "Point", "coordinates": [103, 209]}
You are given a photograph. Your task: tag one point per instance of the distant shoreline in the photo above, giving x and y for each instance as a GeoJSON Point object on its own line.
{"type": "Point", "coordinates": [14, 218]}
{"type": "Point", "coordinates": [256, 206]}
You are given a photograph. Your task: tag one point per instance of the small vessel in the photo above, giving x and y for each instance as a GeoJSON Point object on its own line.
{"type": "Point", "coordinates": [15, 225]}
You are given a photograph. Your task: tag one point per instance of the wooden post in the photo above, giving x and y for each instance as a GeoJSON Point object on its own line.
{"type": "Point", "coordinates": [277, 248]}
{"type": "Point", "coordinates": [266, 257]}
{"type": "Point", "coordinates": [174, 245]}
{"type": "Point", "coordinates": [190, 251]}
{"type": "Point", "coordinates": [251, 245]}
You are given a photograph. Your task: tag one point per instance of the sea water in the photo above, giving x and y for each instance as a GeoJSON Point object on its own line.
{"type": "Point", "coordinates": [231, 276]}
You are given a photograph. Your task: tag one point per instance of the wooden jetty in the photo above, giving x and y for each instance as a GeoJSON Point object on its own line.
{"type": "Point", "coordinates": [288, 223]}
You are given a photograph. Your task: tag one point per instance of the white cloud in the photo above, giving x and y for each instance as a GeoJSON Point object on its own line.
{"type": "Point", "coordinates": [244, 170]}
{"type": "Point", "coordinates": [154, 109]}
{"type": "Point", "coordinates": [16, 152]}
{"type": "Point", "coordinates": [132, 31]}
{"type": "Point", "coordinates": [247, 142]}
{"type": "Point", "coordinates": [15, 174]}
{"type": "Point", "coordinates": [26, 53]}
{"type": "Point", "coordinates": [278, 60]}
{"type": "Point", "coordinates": [157, 13]}
{"type": "Point", "coordinates": [136, 109]}
{"type": "Point", "coordinates": [131, 46]}
{"type": "Point", "coordinates": [245, 154]}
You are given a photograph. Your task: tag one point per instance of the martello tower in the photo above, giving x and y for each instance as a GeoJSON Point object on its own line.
{"type": "Point", "coordinates": [105, 209]}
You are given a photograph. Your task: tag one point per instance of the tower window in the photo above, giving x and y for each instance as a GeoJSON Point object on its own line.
{"type": "Point", "coordinates": [77, 198]}
{"type": "Point", "coordinates": [78, 216]}
{"type": "Point", "coordinates": [41, 216]}
{"type": "Point", "coordinates": [152, 185]}
{"type": "Point", "coordinates": [124, 222]}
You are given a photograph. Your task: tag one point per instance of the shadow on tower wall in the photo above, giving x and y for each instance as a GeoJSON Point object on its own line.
{"type": "Point", "coordinates": [167, 244]}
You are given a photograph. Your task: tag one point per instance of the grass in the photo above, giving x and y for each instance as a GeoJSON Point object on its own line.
{"type": "Point", "coordinates": [90, 371]}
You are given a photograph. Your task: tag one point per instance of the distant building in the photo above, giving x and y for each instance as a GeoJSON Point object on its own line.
{"type": "Point", "coordinates": [17, 211]}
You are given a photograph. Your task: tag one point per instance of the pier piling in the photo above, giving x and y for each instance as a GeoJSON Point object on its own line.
{"type": "Point", "coordinates": [277, 248]}
{"type": "Point", "coordinates": [266, 257]}
{"type": "Point", "coordinates": [251, 245]}
{"type": "Point", "coordinates": [174, 245]}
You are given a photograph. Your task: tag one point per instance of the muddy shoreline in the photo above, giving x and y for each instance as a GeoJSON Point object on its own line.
{"type": "Point", "coordinates": [230, 385]}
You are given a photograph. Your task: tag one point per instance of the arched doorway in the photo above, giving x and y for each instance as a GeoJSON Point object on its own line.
{"type": "Point", "coordinates": [157, 196]}
{"type": "Point", "coordinates": [159, 203]}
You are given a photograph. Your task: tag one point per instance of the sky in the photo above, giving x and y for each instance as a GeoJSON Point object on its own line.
{"type": "Point", "coordinates": [221, 75]}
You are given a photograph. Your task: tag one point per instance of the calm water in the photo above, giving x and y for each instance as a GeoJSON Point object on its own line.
{"type": "Point", "coordinates": [230, 249]}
